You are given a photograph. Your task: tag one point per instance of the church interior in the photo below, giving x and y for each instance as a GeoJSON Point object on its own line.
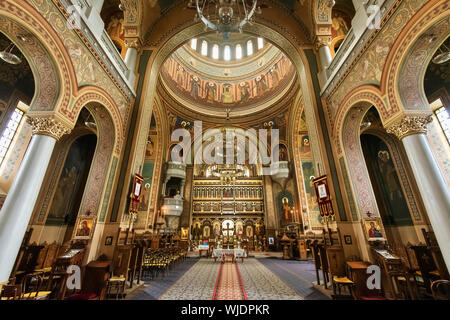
{"type": "Point", "coordinates": [224, 150]}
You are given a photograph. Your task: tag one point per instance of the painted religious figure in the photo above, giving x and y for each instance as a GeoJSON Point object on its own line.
{"type": "Point", "coordinates": [239, 228]}
{"type": "Point", "coordinates": [275, 76]}
{"type": "Point", "coordinates": [249, 231]}
{"type": "Point", "coordinates": [244, 89]}
{"type": "Point", "coordinates": [373, 229]}
{"type": "Point", "coordinates": [180, 76]}
{"type": "Point", "coordinates": [84, 228]}
{"type": "Point", "coordinates": [216, 229]}
{"type": "Point", "coordinates": [227, 93]}
{"type": "Point", "coordinates": [210, 92]}
{"type": "Point", "coordinates": [194, 86]}
{"type": "Point", "coordinates": [261, 85]}
{"type": "Point", "coordinates": [305, 148]}
{"type": "Point", "coordinates": [339, 25]}
{"type": "Point", "coordinates": [286, 209]}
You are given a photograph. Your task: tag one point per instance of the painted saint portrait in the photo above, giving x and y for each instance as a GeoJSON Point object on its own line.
{"type": "Point", "coordinates": [227, 93]}
{"type": "Point", "coordinates": [249, 231]}
{"type": "Point", "coordinates": [373, 229]}
{"type": "Point", "coordinates": [84, 228]}
{"type": "Point", "coordinates": [195, 83]}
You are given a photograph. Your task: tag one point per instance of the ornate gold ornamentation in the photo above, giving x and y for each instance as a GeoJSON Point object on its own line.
{"type": "Point", "coordinates": [48, 127]}
{"type": "Point", "coordinates": [134, 43]}
{"type": "Point", "coordinates": [322, 42]}
{"type": "Point", "coordinates": [410, 125]}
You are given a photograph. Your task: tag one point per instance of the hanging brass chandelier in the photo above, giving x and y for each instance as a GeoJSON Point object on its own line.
{"type": "Point", "coordinates": [226, 16]}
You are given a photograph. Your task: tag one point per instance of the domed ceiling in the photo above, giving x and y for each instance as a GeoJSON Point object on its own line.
{"type": "Point", "coordinates": [244, 74]}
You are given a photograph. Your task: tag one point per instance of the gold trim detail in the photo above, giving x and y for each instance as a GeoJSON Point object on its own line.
{"type": "Point", "coordinates": [48, 127]}
{"type": "Point", "coordinates": [322, 41]}
{"type": "Point", "coordinates": [409, 125]}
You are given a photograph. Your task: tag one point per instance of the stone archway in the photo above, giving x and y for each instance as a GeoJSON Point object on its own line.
{"type": "Point", "coordinates": [405, 67]}
{"type": "Point", "coordinates": [45, 52]}
{"type": "Point", "coordinates": [294, 52]}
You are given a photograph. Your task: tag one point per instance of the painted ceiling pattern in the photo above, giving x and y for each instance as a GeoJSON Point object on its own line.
{"type": "Point", "coordinates": [370, 70]}
{"type": "Point", "coordinates": [265, 84]}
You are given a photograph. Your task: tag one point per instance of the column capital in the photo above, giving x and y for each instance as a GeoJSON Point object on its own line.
{"type": "Point", "coordinates": [134, 43]}
{"type": "Point", "coordinates": [409, 125]}
{"type": "Point", "coordinates": [48, 127]}
{"type": "Point", "coordinates": [322, 41]}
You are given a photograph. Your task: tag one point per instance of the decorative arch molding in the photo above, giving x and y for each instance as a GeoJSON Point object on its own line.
{"type": "Point", "coordinates": [173, 40]}
{"type": "Point", "coordinates": [98, 173]}
{"type": "Point", "coordinates": [356, 165]}
{"type": "Point", "coordinates": [159, 160]}
{"type": "Point", "coordinates": [294, 138]}
{"type": "Point", "coordinates": [95, 95]}
{"type": "Point", "coordinates": [278, 17]}
{"type": "Point", "coordinates": [401, 82]}
{"type": "Point", "coordinates": [51, 65]}
{"type": "Point", "coordinates": [363, 94]}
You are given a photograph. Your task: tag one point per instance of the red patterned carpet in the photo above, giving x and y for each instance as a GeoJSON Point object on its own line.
{"type": "Point", "coordinates": [229, 284]}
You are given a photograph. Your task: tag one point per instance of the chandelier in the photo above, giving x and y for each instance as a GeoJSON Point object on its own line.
{"type": "Point", "coordinates": [8, 56]}
{"type": "Point", "coordinates": [225, 16]}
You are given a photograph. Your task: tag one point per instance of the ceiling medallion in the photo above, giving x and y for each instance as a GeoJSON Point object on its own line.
{"type": "Point", "coordinates": [225, 16]}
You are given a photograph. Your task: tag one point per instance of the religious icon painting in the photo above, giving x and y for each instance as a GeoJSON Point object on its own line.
{"type": "Point", "coordinates": [184, 233]}
{"type": "Point", "coordinates": [85, 227]}
{"type": "Point", "coordinates": [374, 229]}
{"type": "Point", "coordinates": [108, 241]}
{"type": "Point", "coordinates": [239, 228]}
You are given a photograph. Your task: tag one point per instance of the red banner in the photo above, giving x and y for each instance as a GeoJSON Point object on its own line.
{"type": "Point", "coordinates": [136, 193]}
{"type": "Point", "coordinates": [323, 196]}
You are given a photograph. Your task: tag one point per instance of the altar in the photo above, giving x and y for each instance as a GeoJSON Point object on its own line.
{"type": "Point", "coordinates": [235, 253]}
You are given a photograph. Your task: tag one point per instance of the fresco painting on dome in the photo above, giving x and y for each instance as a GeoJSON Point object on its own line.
{"type": "Point", "coordinates": [233, 92]}
{"type": "Point", "coordinates": [340, 24]}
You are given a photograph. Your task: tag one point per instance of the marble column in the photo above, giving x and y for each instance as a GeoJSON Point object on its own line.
{"type": "Point", "coordinates": [325, 58]}
{"type": "Point", "coordinates": [432, 186]}
{"type": "Point", "coordinates": [97, 5]}
{"type": "Point", "coordinates": [131, 58]}
{"type": "Point", "coordinates": [19, 204]}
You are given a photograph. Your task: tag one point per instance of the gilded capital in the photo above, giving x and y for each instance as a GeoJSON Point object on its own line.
{"type": "Point", "coordinates": [134, 43]}
{"type": "Point", "coordinates": [323, 41]}
{"type": "Point", "coordinates": [48, 127]}
{"type": "Point", "coordinates": [410, 125]}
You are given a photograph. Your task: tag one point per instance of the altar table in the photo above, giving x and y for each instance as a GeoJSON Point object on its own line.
{"type": "Point", "coordinates": [235, 253]}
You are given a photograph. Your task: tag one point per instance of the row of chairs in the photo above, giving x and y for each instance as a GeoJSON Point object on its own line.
{"type": "Point", "coordinates": [32, 287]}
{"type": "Point", "coordinates": [161, 261]}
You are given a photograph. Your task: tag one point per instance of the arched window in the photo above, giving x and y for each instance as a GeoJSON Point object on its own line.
{"type": "Point", "coordinates": [260, 43]}
{"type": "Point", "coordinates": [11, 129]}
{"type": "Point", "coordinates": [194, 44]}
{"type": "Point", "coordinates": [215, 51]}
{"type": "Point", "coordinates": [249, 47]}
{"type": "Point", "coordinates": [227, 53]}
{"type": "Point", "coordinates": [238, 52]}
{"type": "Point", "coordinates": [204, 50]}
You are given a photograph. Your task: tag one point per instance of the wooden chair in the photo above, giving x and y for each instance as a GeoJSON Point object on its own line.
{"type": "Point", "coordinates": [31, 288]}
{"type": "Point", "coordinates": [11, 292]}
{"type": "Point", "coordinates": [336, 266]}
{"type": "Point", "coordinates": [441, 290]}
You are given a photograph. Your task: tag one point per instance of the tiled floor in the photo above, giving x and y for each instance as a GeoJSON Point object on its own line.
{"type": "Point", "coordinates": [263, 279]}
